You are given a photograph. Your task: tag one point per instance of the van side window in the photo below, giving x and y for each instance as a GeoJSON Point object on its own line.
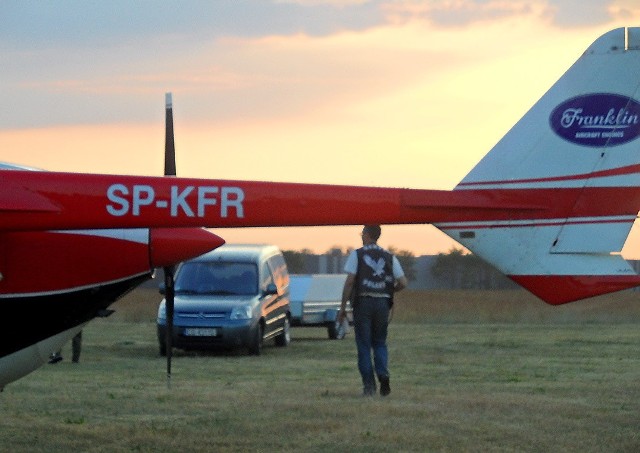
{"type": "Point", "coordinates": [266, 277]}
{"type": "Point", "coordinates": [278, 268]}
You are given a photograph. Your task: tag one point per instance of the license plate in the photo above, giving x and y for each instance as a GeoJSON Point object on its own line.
{"type": "Point", "coordinates": [200, 332]}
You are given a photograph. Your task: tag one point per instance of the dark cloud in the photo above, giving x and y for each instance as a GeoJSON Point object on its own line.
{"type": "Point", "coordinates": [577, 13]}
{"type": "Point", "coordinates": [90, 23]}
{"type": "Point", "coordinates": [72, 24]}
{"type": "Point", "coordinates": [562, 13]}
{"type": "Point", "coordinates": [56, 55]}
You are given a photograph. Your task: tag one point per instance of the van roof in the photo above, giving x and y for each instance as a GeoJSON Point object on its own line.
{"type": "Point", "coordinates": [248, 252]}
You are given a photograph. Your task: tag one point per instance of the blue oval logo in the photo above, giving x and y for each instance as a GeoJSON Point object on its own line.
{"type": "Point", "coordinates": [597, 120]}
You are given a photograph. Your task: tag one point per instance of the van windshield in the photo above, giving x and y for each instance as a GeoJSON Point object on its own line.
{"type": "Point", "coordinates": [217, 278]}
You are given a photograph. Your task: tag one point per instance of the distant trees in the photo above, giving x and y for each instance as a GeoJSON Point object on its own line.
{"type": "Point", "coordinates": [298, 261]}
{"type": "Point", "coordinates": [407, 261]}
{"type": "Point", "coordinates": [460, 270]}
{"type": "Point", "coordinates": [455, 269]}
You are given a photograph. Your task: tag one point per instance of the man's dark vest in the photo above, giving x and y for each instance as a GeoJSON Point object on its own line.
{"type": "Point", "coordinates": [375, 272]}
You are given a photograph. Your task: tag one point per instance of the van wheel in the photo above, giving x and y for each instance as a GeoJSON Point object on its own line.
{"type": "Point", "coordinates": [285, 336]}
{"type": "Point", "coordinates": [255, 347]}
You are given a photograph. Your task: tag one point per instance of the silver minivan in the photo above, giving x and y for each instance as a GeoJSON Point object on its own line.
{"type": "Point", "coordinates": [234, 296]}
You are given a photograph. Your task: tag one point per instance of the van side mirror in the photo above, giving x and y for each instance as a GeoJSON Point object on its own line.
{"type": "Point", "coordinates": [271, 289]}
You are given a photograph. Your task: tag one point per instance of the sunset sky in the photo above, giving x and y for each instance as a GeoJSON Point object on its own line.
{"type": "Point", "coordinates": [382, 93]}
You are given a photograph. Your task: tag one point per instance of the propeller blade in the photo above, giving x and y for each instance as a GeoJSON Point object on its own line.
{"type": "Point", "coordinates": [169, 145]}
{"type": "Point", "coordinates": [169, 301]}
{"type": "Point", "coordinates": [169, 170]}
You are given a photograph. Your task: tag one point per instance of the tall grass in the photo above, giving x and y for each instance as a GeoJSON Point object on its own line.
{"type": "Point", "coordinates": [517, 382]}
{"type": "Point", "coordinates": [512, 306]}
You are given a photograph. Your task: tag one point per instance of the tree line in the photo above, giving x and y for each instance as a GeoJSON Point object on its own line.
{"type": "Point", "coordinates": [455, 269]}
{"type": "Point", "coordinates": [297, 259]}
{"type": "Point", "coordinates": [460, 270]}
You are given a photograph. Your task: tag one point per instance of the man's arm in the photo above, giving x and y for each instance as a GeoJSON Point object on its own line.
{"type": "Point", "coordinates": [401, 283]}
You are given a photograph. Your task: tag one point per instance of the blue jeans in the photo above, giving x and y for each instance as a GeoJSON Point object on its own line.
{"type": "Point", "coordinates": [370, 321]}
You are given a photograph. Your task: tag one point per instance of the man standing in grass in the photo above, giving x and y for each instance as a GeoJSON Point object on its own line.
{"type": "Point", "coordinates": [374, 275]}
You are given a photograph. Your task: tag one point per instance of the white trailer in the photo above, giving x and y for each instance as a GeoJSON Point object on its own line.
{"type": "Point", "coordinates": [315, 301]}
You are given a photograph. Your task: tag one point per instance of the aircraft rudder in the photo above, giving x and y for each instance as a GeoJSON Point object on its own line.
{"type": "Point", "coordinates": [575, 151]}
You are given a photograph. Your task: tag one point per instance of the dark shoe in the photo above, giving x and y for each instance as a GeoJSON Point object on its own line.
{"type": "Point", "coordinates": [385, 388]}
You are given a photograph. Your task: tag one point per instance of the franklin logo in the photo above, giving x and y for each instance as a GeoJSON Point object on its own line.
{"type": "Point", "coordinates": [597, 120]}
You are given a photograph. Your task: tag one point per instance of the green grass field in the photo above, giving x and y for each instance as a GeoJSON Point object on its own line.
{"type": "Point", "coordinates": [471, 371]}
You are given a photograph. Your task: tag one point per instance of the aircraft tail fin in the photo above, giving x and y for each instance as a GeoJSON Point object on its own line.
{"type": "Point", "coordinates": [577, 152]}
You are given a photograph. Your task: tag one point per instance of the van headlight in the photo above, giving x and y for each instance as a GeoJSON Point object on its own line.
{"type": "Point", "coordinates": [242, 312]}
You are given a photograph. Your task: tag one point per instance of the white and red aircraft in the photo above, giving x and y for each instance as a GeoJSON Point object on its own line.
{"type": "Point", "coordinates": [550, 206]}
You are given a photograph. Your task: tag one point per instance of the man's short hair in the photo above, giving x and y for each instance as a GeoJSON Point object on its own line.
{"type": "Point", "coordinates": [373, 231]}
